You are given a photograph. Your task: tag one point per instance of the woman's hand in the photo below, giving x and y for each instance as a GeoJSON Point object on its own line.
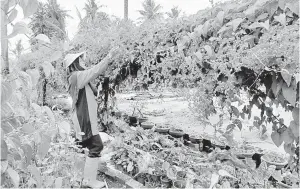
{"type": "Point", "coordinates": [113, 52]}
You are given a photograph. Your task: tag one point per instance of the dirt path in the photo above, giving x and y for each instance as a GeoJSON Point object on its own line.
{"type": "Point", "coordinates": [178, 114]}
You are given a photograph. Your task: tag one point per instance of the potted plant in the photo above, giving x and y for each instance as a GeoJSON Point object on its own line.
{"type": "Point", "coordinates": [147, 125]}
{"type": "Point", "coordinates": [274, 159]}
{"type": "Point", "coordinates": [245, 152]}
{"type": "Point", "coordinates": [181, 175]}
{"type": "Point", "coordinates": [165, 181]}
{"type": "Point", "coordinates": [176, 133]}
{"type": "Point", "coordinates": [179, 183]}
{"type": "Point", "coordinates": [142, 119]}
{"type": "Point", "coordinates": [132, 119]}
{"type": "Point", "coordinates": [163, 129]}
{"type": "Point", "coordinates": [195, 139]}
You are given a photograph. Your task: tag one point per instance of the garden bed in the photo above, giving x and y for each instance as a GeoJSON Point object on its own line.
{"type": "Point", "coordinates": [147, 156]}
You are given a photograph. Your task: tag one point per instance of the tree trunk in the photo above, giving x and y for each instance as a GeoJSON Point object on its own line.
{"type": "Point", "coordinates": [126, 9]}
{"type": "Point", "coordinates": [4, 40]}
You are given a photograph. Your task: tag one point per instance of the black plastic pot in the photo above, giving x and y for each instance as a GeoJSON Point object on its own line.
{"type": "Point", "coordinates": [195, 140]}
{"type": "Point", "coordinates": [166, 182]}
{"type": "Point", "coordinates": [147, 125]}
{"type": "Point", "coordinates": [132, 119]}
{"type": "Point", "coordinates": [176, 133]}
{"type": "Point", "coordinates": [283, 185]}
{"type": "Point", "coordinates": [142, 119]}
{"type": "Point", "coordinates": [186, 142]}
{"type": "Point", "coordinates": [180, 183]}
{"type": "Point", "coordinates": [181, 175]}
{"type": "Point", "coordinates": [207, 146]}
{"type": "Point", "coordinates": [162, 130]}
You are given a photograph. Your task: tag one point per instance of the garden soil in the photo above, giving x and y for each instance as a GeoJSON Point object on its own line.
{"type": "Point", "coordinates": [176, 113]}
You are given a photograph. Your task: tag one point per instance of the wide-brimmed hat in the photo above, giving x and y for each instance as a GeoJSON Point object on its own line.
{"type": "Point", "coordinates": [69, 59]}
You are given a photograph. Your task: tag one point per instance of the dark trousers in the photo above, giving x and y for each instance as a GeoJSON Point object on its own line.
{"type": "Point", "coordinates": [94, 144]}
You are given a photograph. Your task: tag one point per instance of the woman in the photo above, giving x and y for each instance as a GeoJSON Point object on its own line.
{"type": "Point", "coordinates": [84, 111]}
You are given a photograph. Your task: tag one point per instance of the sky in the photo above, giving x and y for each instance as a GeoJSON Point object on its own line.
{"type": "Point", "coordinates": [112, 7]}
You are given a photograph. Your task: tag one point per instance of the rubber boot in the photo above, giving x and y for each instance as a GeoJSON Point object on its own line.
{"type": "Point", "coordinates": [90, 173]}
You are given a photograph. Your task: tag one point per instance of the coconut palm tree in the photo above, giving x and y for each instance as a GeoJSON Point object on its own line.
{"type": "Point", "coordinates": [126, 9]}
{"type": "Point", "coordinates": [18, 49]}
{"type": "Point", "coordinates": [49, 19]}
{"type": "Point", "coordinates": [174, 13]}
{"type": "Point", "coordinates": [91, 8]}
{"type": "Point", "coordinates": [151, 10]}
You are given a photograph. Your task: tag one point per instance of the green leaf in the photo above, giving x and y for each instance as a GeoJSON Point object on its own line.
{"type": "Point", "coordinates": [4, 150]}
{"type": "Point", "coordinates": [281, 19]}
{"type": "Point", "coordinates": [12, 3]}
{"type": "Point", "coordinates": [224, 173]}
{"type": "Point", "coordinates": [37, 109]}
{"type": "Point", "coordinates": [289, 94]}
{"type": "Point", "coordinates": [262, 16]}
{"type": "Point", "coordinates": [26, 79]}
{"type": "Point", "coordinates": [6, 91]}
{"type": "Point", "coordinates": [224, 28]}
{"type": "Point", "coordinates": [205, 28]}
{"type": "Point", "coordinates": [288, 136]}
{"type": "Point", "coordinates": [14, 122]}
{"type": "Point", "coordinates": [199, 55]}
{"type": "Point", "coordinates": [6, 110]}
{"type": "Point", "coordinates": [260, 25]}
{"type": "Point", "coordinates": [294, 127]}
{"type": "Point", "coordinates": [238, 123]}
{"type": "Point", "coordinates": [27, 152]}
{"type": "Point", "coordinates": [220, 17]}
{"type": "Point", "coordinates": [44, 146]}
{"type": "Point", "coordinates": [287, 77]}
{"type": "Point", "coordinates": [14, 177]}
{"type": "Point", "coordinates": [208, 50]}
{"type": "Point", "coordinates": [235, 23]}
{"type": "Point", "coordinates": [165, 165]}
{"type": "Point", "coordinates": [256, 6]}
{"type": "Point", "coordinates": [230, 128]}
{"type": "Point", "coordinates": [171, 173]}
{"type": "Point", "coordinates": [242, 115]}
{"type": "Point", "coordinates": [13, 14]}
{"type": "Point", "coordinates": [15, 140]}
{"type": "Point", "coordinates": [130, 166]}
{"type": "Point", "coordinates": [35, 172]}
{"type": "Point", "coordinates": [58, 182]}
{"type": "Point", "coordinates": [43, 38]}
{"type": "Point", "coordinates": [288, 148]}
{"type": "Point", "coordinates": [235, 111]}
{"type": "Point", "coordinates": [293, 6]}
{"type": "Point", "coordinates": [188, 60]}
{"type": "Point", "coordinates": [55, 56]}
{"type": "Point", "coordinates": [6, 126]}
{"type": "Point", "coordinates": [19, 28]}
{"type": "Point", "coordinates": [277, 175]}
{"type": "Point", "coordinates": [264, 129]}
{"type": "Point", "coordinates": [29, 7]}
{"type": "Point", "coordinates": [214, 180]}
{"type": "Point", "coordinates": [295, 114]}
{"type": "Point", "coordinates": [17, 156]}
{"type": "Point", "coordinates": [64, 127]}
{"type": "Point", "coordinates": [49, 113]}
{"type": "Point", "coordinates": [272, 7]}
{"type": "Point", "coordinates": [278, 87]}
{"type": "Point", "coordinates": [266, 24]}
{"type": "Point", "coordinates": [281, 4]}
{"type": "Point", "coordinates": [277, 139]}
{"type": "Point", "coordinates": [48, 68]}
{"type": "Point", "coordinates": [28, 128]}
{"type": "Point", "coordinates": [34, 74]}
